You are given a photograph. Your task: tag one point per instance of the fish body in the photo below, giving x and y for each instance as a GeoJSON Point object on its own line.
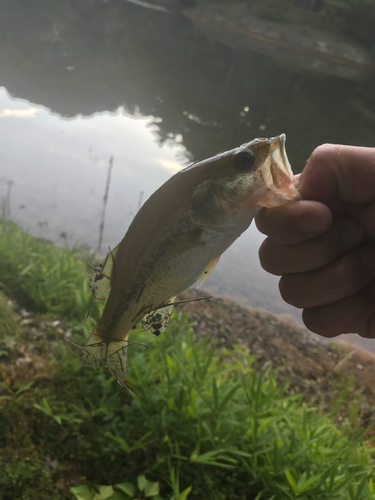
{"type": "Point", "coordinates": [176, 239]}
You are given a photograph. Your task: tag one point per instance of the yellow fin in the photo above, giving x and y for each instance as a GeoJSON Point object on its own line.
{"type": "Point", "coordinates": [211, 266]}
{"type": "Point", "coordinates": [100, 282]}
{"type": "Point", "coordinates": [157, 320]}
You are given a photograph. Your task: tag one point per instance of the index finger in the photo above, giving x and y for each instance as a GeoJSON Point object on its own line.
{"type": "Point", "coordinates": [294, 222]}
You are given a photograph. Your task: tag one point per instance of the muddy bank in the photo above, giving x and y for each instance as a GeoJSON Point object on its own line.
{"type": "Point", "coordinates": [315, 368]}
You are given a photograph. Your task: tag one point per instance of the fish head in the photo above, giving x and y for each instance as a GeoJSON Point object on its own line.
{"type": "Point", "coordinates": [233, 186]}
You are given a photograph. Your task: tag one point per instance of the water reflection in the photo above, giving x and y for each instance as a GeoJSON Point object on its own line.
{"type": "Point", "coordinates": [95, 80]}
{"type": "Point", "coordinates": [59, 168]}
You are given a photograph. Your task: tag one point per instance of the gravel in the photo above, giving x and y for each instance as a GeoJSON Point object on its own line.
{"type": "Point", "coordinates": [317, 369]}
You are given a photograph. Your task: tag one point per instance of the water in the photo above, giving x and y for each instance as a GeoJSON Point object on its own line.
{"type": "Point", "coordinates": [59, 169]}
{"type": "Point", "coordinates": [84, 82]}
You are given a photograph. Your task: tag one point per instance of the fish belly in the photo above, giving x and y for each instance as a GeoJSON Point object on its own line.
{"type": "Point", "coordinates": [175, 272]}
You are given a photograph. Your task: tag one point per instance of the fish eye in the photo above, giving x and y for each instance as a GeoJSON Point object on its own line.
{"type": "Point", "coordinates": [244, 160]}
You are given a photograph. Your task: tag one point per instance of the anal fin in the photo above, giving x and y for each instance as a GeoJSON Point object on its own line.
{"type": "Point", "coordinates": [157, 320]}
{"type": "Point", "coordinates": [211, 266]}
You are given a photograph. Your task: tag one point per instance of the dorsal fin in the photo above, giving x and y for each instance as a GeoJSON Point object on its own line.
{"type": "Point", "coordinates": [157, 320]}
{"type": "Point", "coordinates": [211, 266]}
{"type": "Point", "coordinates": [100, 282]}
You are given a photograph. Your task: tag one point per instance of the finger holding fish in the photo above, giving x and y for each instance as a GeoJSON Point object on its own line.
{"type": "Point", "coordinates": [294, 223]}
{"type": "Point", "coordinates": [315, 252]}
{"type": "Point", "coordinates": [344, 277]}
{"type": "Point", "coordinates": [350, 314]}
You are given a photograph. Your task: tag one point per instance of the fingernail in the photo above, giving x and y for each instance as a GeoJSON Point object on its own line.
{"type": "Point", "coordinates": [351, 233]}
{"type": "Point", "coordinates": [367, 257]}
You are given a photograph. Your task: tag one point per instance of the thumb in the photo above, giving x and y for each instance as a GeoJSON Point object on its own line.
{"type": "Point", "coordinates": [336, 172]}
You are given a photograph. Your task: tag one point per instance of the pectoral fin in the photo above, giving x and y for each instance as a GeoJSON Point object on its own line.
{"type": "Point", "coordinates": [157, 320]}
{"type": "Point", "coordinates": [100, 282]}
{"type": "Point", "coordinates": [211, 266]}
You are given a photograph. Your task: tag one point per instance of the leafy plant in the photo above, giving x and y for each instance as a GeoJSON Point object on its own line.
{"type": "Point", "coordinates": [43, 277]}
{"type": "Point", "coordinates": [203, 424]}
{"type": "Point", "coordinates": [200, 419]}
{"type": "Point", "coordinates": [125, 491]}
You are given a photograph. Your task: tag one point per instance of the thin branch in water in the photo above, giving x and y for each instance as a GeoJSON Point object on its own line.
{"type": "Point", "coordinates": [139, 204]}
{"type": "Point", "coordinates": [5, 202]}
{"type": "Point", "coordinates": [105, 200]}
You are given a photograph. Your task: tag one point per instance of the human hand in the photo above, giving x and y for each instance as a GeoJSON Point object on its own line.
{"type": "Point", "coordinates": [323, 245]}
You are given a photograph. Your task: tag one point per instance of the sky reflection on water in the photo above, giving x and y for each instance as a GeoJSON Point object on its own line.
{"type": "Point", "coordinates": [59, 168]}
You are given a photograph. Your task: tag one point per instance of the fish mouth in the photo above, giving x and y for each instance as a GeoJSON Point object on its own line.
{"type": "Point", "coordinates": [277, 175]}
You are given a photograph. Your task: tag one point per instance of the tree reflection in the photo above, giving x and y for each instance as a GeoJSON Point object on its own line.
{"type": "Point", "coordinates": [87, 57]}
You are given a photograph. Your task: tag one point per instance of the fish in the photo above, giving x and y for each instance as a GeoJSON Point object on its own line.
{"type": "Point", "coordinates": [176, 240]}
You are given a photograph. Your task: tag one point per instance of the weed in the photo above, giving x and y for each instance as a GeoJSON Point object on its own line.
{"type": "Point", "coordinates": [203, 423]}
{"type": "Point", "coordinates": [224, 430]}
{"type": "Point", "coordinates": [45, 278]}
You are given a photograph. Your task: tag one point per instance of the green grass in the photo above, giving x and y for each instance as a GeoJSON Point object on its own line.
{"type": "Point", "coordinates": [45, 278]}
{"type": "Point", "coordinates": [206, 418]}
{"type": "Point", "coordinates": [203, 424]}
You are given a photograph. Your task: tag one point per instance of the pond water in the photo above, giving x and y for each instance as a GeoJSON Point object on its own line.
{"type": "Point", "coordinates": [84, 82]}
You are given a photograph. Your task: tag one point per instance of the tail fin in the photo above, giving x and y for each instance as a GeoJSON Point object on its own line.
{"type": "Point", "coordinates": [112, 354]}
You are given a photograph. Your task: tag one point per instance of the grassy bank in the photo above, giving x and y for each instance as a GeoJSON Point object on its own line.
{"type": "Point", "coordinates": [203, 423]}
{"type": "Point", "coordinates": [47, 279]}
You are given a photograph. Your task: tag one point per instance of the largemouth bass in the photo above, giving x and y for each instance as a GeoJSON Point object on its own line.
{"type": "Point", "coordinates": [176, 240]}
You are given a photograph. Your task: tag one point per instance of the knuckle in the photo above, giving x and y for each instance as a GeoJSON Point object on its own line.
{"type": "Point", "coordinates": [268, 257]}
{"type": "Point", "coordinates": [319, 323]}
{"type": "Point", "coordinates": [267, 219]}
{"type": "Point", "coordinates": [353, 272]}
{"type": "Point", "coordinates": [261, 221]}
{"type": "Point", "coordinates": [291, 291]}
{"type": "Point", "coordinates": [274, 222]}
{"type": "Point", "coordinates": [321, 152]}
